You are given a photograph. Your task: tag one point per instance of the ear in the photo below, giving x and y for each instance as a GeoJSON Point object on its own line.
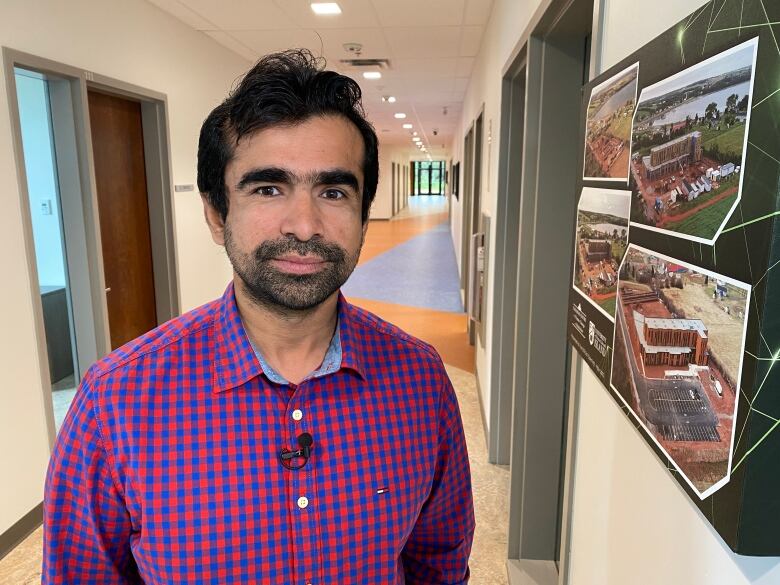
{"type": "Point", "coordinates": [214, 221]}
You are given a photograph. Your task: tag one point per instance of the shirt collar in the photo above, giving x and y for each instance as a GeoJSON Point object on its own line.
{"type": "Point", "coordinates": [235, 362]}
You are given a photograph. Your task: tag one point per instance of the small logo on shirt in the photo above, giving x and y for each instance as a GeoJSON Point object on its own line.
{"type": "Point", "coordinates": [382, 490]}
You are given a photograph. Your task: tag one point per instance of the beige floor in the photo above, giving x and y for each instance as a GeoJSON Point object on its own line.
{"type": "Point", "coordinates": [491, 485]}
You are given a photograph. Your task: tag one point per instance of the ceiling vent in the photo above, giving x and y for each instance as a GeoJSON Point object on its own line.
{"type": "Point", "coordinates": [366, 63]}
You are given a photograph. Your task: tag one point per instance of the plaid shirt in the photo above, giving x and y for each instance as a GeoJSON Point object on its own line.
{"type": "Point", "coordinates": [166, 469]}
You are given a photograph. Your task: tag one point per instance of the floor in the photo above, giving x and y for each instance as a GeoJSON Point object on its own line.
{"type": "Point", "coordinates": [408, 275]}
{"type": "Point", "coordinates": [62, 395]}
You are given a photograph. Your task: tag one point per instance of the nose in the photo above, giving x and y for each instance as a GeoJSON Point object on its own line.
{"type": "Point", "coordinates": [302, 218]}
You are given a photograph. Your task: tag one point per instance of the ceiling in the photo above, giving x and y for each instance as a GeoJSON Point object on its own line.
{"type": "Point", "coordinates": [430, 46]}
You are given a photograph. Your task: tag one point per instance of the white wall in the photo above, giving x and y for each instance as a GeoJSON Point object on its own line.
{"type": "Point", "coordinates": [133, 41]}
{"type": "Point", "coordinates": [508, 20]}
{"type": "Point", "coordinates": [632, 523]}
{"type": "Point", "coordinates": [382, 207]}
{"type": "Point", "coordinates": [42, 185]}
{"type": "Point", "coordinates": [383, 202]}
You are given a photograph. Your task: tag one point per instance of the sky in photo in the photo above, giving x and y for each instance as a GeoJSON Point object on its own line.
{"type": "Point", "coordinates": [742, 57]}
{"type": "Point", "coordinates": [606, 201]}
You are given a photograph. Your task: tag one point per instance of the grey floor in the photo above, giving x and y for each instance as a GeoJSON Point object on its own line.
{"type": "Point", "coordinates": [62, 395]}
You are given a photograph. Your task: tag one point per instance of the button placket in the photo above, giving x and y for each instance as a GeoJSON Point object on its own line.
{"type": "Point", "coordinates": [303, 498]}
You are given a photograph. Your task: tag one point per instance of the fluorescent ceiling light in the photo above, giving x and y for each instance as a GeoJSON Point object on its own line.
{"type": "Point", "coordinates": [388, 98]}
{"type": "Point", "coordinates": [325, 8]}
{"type": "Point", "coordinates": [372, 75]}
{"type": "Point", "coordinates": [407, 126]}
{"type": "Point", "coordinates": [417, 139]}
{"type": "Point", "coordinates": [400, 115]}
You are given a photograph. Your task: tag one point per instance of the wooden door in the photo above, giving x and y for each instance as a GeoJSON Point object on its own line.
{"type": "Point", "coordinates": [120, 173]}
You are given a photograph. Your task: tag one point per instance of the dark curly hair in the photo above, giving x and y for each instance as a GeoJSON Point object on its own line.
{"type": "Point", "coordinates": [281, 89]}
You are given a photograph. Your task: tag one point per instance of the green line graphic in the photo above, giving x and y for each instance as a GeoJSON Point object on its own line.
{"type": "Point", "coordinates": [763, 217]}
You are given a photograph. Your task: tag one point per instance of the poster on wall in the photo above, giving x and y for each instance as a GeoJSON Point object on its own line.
{"type": "Point", "coordinates": [688, 145]}
{"type": "Point", "coordinates": [675, 296]}
{"type": "Point", "coordinates": [608, 127]}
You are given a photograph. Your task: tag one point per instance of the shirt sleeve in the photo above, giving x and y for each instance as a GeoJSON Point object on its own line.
{"type": "Point", "coordinates": [86, 526]}
{"type": "Point", "coordinates": [438, 548]}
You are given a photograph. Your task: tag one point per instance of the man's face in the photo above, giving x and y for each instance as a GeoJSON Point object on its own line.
{"type": "Point", "coordinates": [293, 230]}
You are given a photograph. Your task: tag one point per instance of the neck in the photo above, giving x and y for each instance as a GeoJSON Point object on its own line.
{"type": "Point", "coordinates": [293, 342]}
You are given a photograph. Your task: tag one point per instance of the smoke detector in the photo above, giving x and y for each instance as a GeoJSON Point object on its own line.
{"type": "Point", "coordinates": [354, 48]}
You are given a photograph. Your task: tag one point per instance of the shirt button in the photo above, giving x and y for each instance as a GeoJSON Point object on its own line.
{"type": "Point", "coordinates": [297, 414]}
{"type": "Point", "coordinates": [303, 501]}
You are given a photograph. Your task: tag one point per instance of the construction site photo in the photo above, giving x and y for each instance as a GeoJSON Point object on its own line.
{"type": "Point", "coordinates": [688, 144]}
{"type": "Point", "coordinates": [608, 127]}
{"type": "Point", "coordinates": [679, 340]}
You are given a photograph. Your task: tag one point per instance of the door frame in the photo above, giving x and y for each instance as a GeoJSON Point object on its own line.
{"type": "Point", "coordinates": [510, 177]}
{"type": "Point", "coordinates": [93, 327]}
{"type": "Point", "coordinates": [539, 354]}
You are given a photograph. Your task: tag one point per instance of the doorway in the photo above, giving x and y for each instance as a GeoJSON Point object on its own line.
{"type": "Point", "coordinates": [48, 222]}
{"type": "Point", "coordinates": [120, 180]}
{"type": "Point", "coordinates": [428, 177]}
{"type": "Point", "coordinates": [68, 236]}
{"type": "Point", "coordinates": [538, 165]}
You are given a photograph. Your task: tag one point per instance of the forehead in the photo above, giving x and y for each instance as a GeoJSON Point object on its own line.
{"type": "Point", "coordinates": [317, 143]}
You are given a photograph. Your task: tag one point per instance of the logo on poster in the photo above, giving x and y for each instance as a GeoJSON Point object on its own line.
{"type": "Point", "coordinates": [597, 339]}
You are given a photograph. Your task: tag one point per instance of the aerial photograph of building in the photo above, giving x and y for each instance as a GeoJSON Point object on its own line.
{"type": "Point", "coordinates": [601, 240]}
{"type": "Point", "coordinates": [679, 341]}
{"type": "Point", "coordinates": [688, 145]}
{"type": "Point", "coordinates": [608, 127]}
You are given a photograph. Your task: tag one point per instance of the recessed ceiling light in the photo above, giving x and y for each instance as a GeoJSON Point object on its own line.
{"type": "Point", "coordinates": [407, 126]}
{"type": "Point", "coordinates": [388, 98]}
{"type": "Point", "coordinates": [372, 75]}
{"type": "Point", "coordinates": [414, 133]}
{"type": "Point", "coordinates": [400, 115]}
{"type": "Point", "coordinates": [325, 8]}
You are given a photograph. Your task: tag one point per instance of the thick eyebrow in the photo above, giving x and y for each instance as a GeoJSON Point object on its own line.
{"type": "Point", "coordinates": [335, 177]}
{"type": "Point", "coordinates": [284, 176]}
{"type": "Point", "coordinates": [266, 175]}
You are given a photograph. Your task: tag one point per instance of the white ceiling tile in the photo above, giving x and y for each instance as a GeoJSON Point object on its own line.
{"type": "Point", "coordinates": [461, 84]}
{"type": "Point", "coordinates": [354, 14]}
{"type": "Point", "coordinates": [270, 41]}
{"type": "Point", "coordinates": [423, 42]}
{"type": "Point", "coordinates": [470, 41]}
{"type": "Point", "coordinates": [372, 39]}
{"type": "Point", "coordinates": [417, 13]}
{"type": "Point", "coordinates": [186, 15]}
{"type": "Point", "coordinates": [464, 67]}
{"type": "Point", "coordinates": [441, 67]}
{"type": "Point", "coordinates": [242, 14]}
{"type": "Point", "coordinates": [233, 44]}
{"type": "Point", "coordinates": [477, 11]}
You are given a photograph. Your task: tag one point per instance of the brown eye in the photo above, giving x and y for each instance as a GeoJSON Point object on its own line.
{"type": "Point", "coordinates": [334, 194]}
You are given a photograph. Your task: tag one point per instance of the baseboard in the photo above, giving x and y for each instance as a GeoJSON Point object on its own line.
{"type": "Point", "coordinates": [28, 524]}
{"type": "Point", "coordinates": [482, 411]}
{"type": "Point", "coordinates": [528, 572]}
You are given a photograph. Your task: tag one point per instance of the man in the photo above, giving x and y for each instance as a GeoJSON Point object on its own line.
{"type": "Point", "coordinates": [278, 434]}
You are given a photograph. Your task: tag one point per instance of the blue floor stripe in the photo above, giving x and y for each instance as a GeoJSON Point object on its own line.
{"type": "Point", "coordinates": [421, 272]}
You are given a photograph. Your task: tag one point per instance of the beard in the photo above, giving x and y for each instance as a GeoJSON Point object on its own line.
{"type": "Point", "coordinates": [284, 292]}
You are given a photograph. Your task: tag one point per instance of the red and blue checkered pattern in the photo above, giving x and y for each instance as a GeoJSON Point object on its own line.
{"type": "Point", "coordinates": [166, 470]}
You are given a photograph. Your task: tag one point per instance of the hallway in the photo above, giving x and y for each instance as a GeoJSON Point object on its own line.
{"type": "Point", "coordinates": [409, 260]}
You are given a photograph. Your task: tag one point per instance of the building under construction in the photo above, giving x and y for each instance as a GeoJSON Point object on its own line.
{"type": "Point", "coordinates": [598, 250]}
{"type": "Point", "coordinates": [667, 158]}
{"type": "Point", "coordinates": [672, 342]}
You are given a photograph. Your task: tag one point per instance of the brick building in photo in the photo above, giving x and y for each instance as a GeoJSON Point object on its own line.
{"type": "Point", "coordinates": [671, 342]}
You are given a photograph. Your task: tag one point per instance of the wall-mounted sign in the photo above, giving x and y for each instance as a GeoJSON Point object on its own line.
{"type": "Point", "coordinates": [675, 299]}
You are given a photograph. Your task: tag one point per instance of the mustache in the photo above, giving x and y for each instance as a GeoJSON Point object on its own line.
{"type": "Point", "coordinates": [271, 249]}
